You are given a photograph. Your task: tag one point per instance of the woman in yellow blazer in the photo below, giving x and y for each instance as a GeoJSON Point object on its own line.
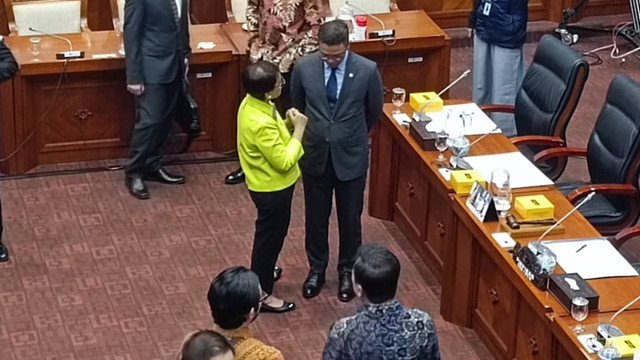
{"type": "Point", "coordinates": [269, 155]}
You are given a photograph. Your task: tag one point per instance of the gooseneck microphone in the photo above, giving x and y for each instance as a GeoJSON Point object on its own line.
{"type": "Point", "coordinates": [608, 330]}
{"type": "Point", "coordinates": [585, 200]}
{"type": "Point", "coordinates": [375, 34]}
{"type": "Point", "coordinates": [65, 54]}
{"type": "Point", "coordinates": [421, 114]}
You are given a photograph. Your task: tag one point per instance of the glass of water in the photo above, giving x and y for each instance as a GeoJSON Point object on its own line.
{"type": "Point", "coordinates": [441, 144]}
{"type": "Point", "coordinates": [579, 311]}
{"type": "Point", "coordinates": [397, 98]}
{"type": "Point", "coordinates": [500, 189]}
{"type": "Point", "coordinates": [35, 44]}
{"type": "Point", "coordinates": [117, 27]}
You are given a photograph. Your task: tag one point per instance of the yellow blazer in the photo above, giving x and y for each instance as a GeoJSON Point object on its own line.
{"type": "Point", "coordinates": [249, 348]}
{"type": "Point", "coordinates": [268, 153]}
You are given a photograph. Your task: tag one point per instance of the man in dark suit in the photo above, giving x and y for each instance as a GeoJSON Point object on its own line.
{"type": "Point", "coordinates": [8, 67]}
{"type": "Point", "coordinates": [341, 94]}
{"type": "Point", "coordinates": [156, 42]}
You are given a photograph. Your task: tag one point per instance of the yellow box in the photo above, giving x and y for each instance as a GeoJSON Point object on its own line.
{"type": "Point", "coordinates": [626, 345]}
{"type": "Point", "coordinates": [534, 207]}
{"type": "Point", "coordinates": [417, 100]}
{"type": "Point", "coordinates": [462, 180]}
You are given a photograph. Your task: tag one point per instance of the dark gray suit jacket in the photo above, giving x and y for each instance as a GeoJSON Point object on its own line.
{"type": "Point", "coordinates": [156, 41]}
{"type": "Point", "coordinates": [346, 131]}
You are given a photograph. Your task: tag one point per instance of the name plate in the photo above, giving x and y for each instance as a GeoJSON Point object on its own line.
{"type": "Point", "coordinates": [480, 202]}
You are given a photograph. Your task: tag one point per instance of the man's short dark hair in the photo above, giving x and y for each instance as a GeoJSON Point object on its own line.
{"type": "Point", "coordinates": [377, 270]}
{"type": "Point", "coordinates": [334, 32]}
{"type": "Point", "coordinates": [260, 78]}
{"type": "Point", "coordinates": [232, 295]}
{"type": "Point", "coordinates": [205, 344]}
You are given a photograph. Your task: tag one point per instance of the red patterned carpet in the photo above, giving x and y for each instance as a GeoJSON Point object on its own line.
{"type": "Point", "coordinates": [96, 274]}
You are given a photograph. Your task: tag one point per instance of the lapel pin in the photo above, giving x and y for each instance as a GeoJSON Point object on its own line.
{"type": "Point", "coordinates": [350, 75]}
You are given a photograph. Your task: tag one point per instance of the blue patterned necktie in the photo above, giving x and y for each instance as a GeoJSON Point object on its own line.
{"type": "Point", "coordinates": [332, 89]}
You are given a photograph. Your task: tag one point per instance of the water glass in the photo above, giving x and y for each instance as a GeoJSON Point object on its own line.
{"type": "Point", "coordinates": [608, 352]}
{"type": "Point", "coordinates": [35, 44]}
{"type": "Point", "coordinates": [397, 98]}
{"type": "Point", "coordinates": [579, 311]}
{"type": "Point", "coordinates": [500, 189]}
{"type": "Point", "coordinates": [441, 144]}
{"type": "Point", "coordinates": [117, 27]}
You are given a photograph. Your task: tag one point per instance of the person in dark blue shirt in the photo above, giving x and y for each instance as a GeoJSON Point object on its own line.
{"type": "Point", "coordinates": [382, 329]}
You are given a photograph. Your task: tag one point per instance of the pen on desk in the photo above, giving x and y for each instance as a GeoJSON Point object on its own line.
{"type": "Point", "coordinates": [581, 247]}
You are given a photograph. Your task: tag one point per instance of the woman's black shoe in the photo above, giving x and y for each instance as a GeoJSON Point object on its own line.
{"type": "Point", "coordinates": [277, 273]}
{"type": "Point", "coordinates": [287, 306]}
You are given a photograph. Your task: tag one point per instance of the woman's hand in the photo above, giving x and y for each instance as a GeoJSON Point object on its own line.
{"type": "Point", "coordinates": [299, 121]}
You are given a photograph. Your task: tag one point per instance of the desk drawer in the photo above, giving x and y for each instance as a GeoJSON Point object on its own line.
{"type": "Point", "coordinates": [438, 228]}
{"type": "Point", "coordinates": [410, 211]}
{"type": "Point", "coordinates": [533, 335]}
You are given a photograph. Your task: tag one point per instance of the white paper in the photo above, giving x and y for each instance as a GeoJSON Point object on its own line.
{"type": "Point", "coordinates": [402, 119]}
{"type": "Point", "coordinates": [522, 173]}
{"type": "Point", "coordinates": [598, 259]}
{"type": "Point", "coordinates": [103, 56]}
{"type": "Point", "coordinates": [479, 124]}
{"type": "Point", "coordinates": [590, 343]}
{"type": "Point", "coordinates": [446, 173]}
{"type": "Point", "coordinates": [206, 45]}
{"type": "Point", "coordinates": [636, 355]}
{"type": "Point", "coordinates": [504, 240]}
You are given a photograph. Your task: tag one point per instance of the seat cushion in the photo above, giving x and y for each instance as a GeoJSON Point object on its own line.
{"type": "Point", "coordinates": [599, 211]}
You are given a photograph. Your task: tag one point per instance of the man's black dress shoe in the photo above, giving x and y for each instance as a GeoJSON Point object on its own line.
{"type": "Point", "coordinates": [4, 253]}
{"type": "Point", "coordinates": [162, 176]}
{"type": "Point", "coordinates": [312, 285]}
{"type": "Point", "coordinates": [287, 306]}
{"type": "Point", "coordinates": [345, 290]}
{"type": "Point", "coordinates": [277, 273]}
{"type": "Point", "coordinates": [136, 187]}
{"type": "Point", "coordinates": [235, 177]}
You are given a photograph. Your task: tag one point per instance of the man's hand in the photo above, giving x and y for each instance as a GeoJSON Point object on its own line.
{"type": "Point", "coordinates": [470, 32]}
{"type": "Point", "coordinates": [136, 89]}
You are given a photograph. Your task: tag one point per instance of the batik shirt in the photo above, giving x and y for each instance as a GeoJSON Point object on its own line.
{"type": "Point", "coordinates": [384, 331]}
{"type": "Point", "coordinates": [283, 30]}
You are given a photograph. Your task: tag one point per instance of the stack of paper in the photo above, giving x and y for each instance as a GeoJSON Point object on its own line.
{"type": "Point", "coordinates": [476, 123]}
{"type": "Point", "coordinates": [521, 171]}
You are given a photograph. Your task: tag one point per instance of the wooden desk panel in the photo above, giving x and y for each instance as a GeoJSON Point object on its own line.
{"type": "Point", "coordinates": [92, 115]}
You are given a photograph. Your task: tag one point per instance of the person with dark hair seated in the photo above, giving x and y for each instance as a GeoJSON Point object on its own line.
{"type": "Point", "coordinates": [235, 298]}
{"type": "Point", "coordinates": [382, 329]}
{"type": "Point", "coordinates": [206, 345]}
{"type": "Point", "coordinates": [269, 155]}
{"type": "Point", "coordinates": [8, 68]}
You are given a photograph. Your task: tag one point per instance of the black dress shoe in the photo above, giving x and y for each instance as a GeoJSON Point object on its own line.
{"type": "Point", "coordinates": [4, 253]}
{"type": "Point", "coordinates": [345, 290]}
{"type": "Point", "coordinates": [277, 273]}
{"type": "Point", "coordinates": [162, 176]}
{"type": "Point", "coordinates": [136, 187]}
{"type": "Point", "coordinates": [287, 306]}
{"type": "Point", "coordinates": [235, 177]}
{"type": "Point", "coordinates": [312, 285]}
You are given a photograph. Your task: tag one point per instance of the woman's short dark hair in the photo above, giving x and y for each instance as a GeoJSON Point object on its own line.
{"type": "Point", "coordinates": [334, 32]}
{"type": "Point", "coordinates": [232, 295]}
{"type": "Point", "coordinates": [260, 78]}
{"type": "Point", "coordinates": [377, 270]}
{"type": "Point", "coordinates": [203, 345]}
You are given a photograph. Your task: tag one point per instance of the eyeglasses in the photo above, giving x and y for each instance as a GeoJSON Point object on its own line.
{"type": "Point", "coordinates": [336, 58]}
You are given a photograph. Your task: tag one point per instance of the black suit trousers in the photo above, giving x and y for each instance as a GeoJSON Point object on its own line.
{"type": "Point", "coordinates": [318, 194]}
{"type": "Point", "coordinates": [154, 118]}
{"type": "Point", "coordinates": [272, 226]}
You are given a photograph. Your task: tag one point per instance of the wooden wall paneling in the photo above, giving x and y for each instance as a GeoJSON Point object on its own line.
{"type": "Point", "coordinates": [208, 11]}
{"type": "Point", "coordinates": [99, 15]}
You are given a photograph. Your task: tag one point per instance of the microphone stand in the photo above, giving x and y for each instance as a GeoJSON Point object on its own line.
{"type": "Point", "coordinates": [421, 114]}
{"type": "Point", "coordinates": [608, 330]}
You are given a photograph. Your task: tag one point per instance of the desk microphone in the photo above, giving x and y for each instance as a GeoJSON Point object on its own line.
{"type": "Point", "coordinates": [421, 116]}
{"type": "Point", "coordinates": [379, 33]}
{"type": "Point", "coordinates": [608, 330]}
{"type": "Point", "coordinates": [550, 229]}
{"type": "Point", "coordinates": [71, 54]}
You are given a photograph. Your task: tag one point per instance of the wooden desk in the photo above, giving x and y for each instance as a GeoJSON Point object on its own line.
{"type": "Point", "coordinates": [91, 116]}
{"type": "Point", "coordinates": [481, 285]}
{"type": "Point", "coordinates": [418, 60]}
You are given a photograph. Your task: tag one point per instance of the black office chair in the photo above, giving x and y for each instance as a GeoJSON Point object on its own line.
{"type": "Point", "coordinates": [546, 101]}
{"type": "Point", "coordinates": [613, 160]}
{"type": "Point", "coordinates": [622, 237]}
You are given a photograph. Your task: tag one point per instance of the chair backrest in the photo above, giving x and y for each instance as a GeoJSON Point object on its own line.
{"type": "Point", "coordinates": [236, 10]}
{"type": "Point", "coordinates": [613, 150]}
{"type": "Point", "coordinates": [550, 89]}
{"type": "Point", "coordinates": [52, 16]}
{"type": "Point", "coordinates": [117, 13]}
{"type": "Point", "coordinates": [369, 6]}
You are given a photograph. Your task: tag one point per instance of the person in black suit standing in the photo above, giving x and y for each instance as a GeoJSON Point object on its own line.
{"type": "Point", "coordinates": [156, 42]}
{"type": "Point", "coordinates": [8, 68]}
{"type": "Point", "coordinates": [342, 96]}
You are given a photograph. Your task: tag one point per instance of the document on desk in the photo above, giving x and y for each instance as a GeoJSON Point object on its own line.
{"type": "Point", "coordinates": [591, 258]}
{"type": "Point", "coordinates": [476, 122]}
{"type": "Point", "coordinates": [522, 172]}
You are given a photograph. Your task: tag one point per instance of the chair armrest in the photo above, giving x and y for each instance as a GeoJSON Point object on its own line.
{"type": "Point", "coordinates": [605, 189]}
{"type": "Point", "coordinates": [537, 140]}
{"type": "Point", "coordinates": [547, 154]}
{"type": "Point", "coordinates": [498, 108]}
{"type": "Point", "coordinates": [629, 233]}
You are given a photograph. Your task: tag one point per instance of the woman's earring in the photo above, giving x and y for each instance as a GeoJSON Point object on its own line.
{"type": "Point", "coordinates": [268, 96]}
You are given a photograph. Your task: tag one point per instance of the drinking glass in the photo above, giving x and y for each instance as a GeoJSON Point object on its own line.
{"type": "Point", "coordinates": [459, 148]}
{"type": "Point", "coordinates": [35, 44]}
{"type": "Point", "coordinates": [117, 27]}
{"type": "Point", "coordinates": [441, 144]}
{"type": "Point", "coordinates": [579, 311]}
{"type": "Point", "coordinates": [608, 352]}
{"type": "Point", "coordinates": [398, 98]}
{"type": "Point", "coordinates": [500, 189]}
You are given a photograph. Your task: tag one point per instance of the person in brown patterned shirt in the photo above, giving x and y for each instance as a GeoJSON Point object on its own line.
{"type": "Point", "coordinates": [282, 31]}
